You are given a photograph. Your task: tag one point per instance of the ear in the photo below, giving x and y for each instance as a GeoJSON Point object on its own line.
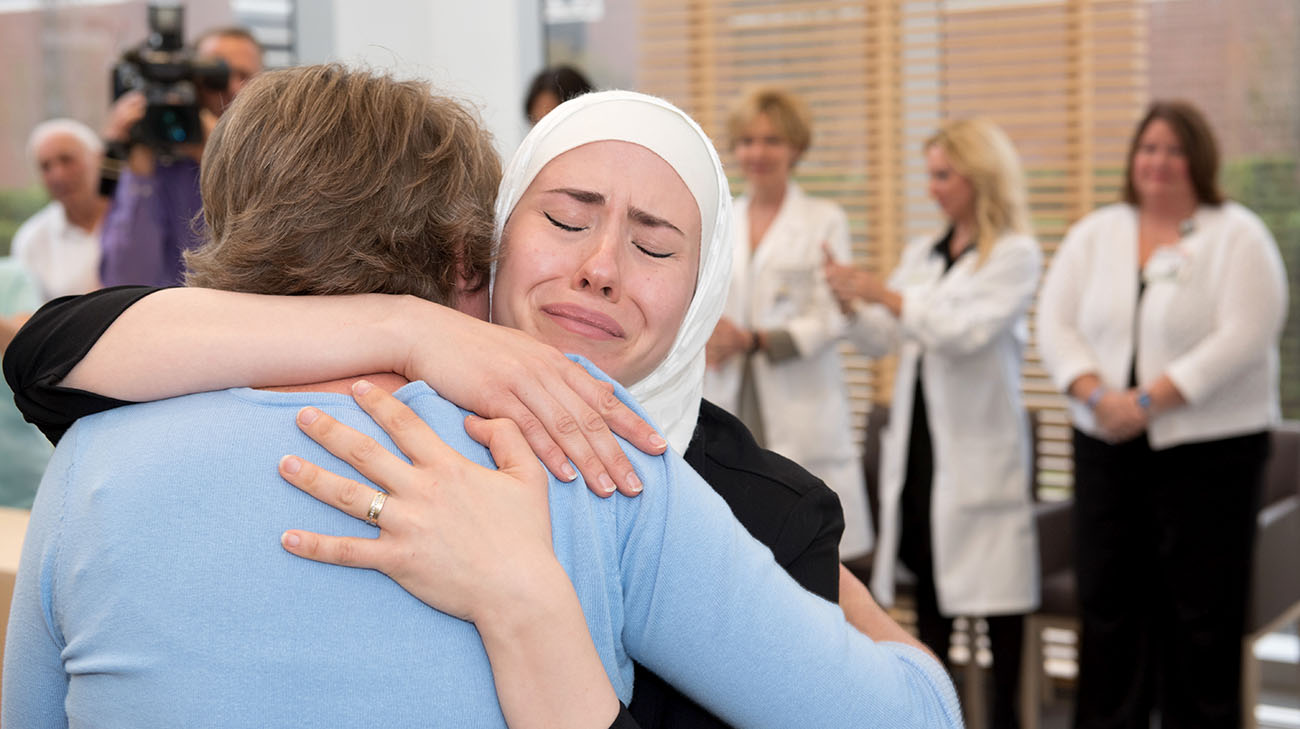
{"type": "Point", "coordinates": [472, 300]}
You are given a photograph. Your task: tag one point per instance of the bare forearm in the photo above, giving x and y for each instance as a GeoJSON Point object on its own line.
{"type": "Point", "coordinates": [892, 301]}
{"type": "Point", "coordinates": [1083, 386]}
{"type": "Point", "coordinates": [1164, 396]}
{"type": "Point", "coordinates": [862, 612]}
{"type": "Point", "coordinates": [185, 340]}
{"type": "Point", "coordinates": [546, 668]}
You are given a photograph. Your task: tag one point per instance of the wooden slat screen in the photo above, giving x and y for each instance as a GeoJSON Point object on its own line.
{"type": "Point", "coordinates": [1066, 79]}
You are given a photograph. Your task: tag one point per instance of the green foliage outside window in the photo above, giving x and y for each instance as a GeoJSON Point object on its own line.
{"type": "Point", "coordinates": [16, 206]}
{"type": "Point", "coordinates": [1270, 186]}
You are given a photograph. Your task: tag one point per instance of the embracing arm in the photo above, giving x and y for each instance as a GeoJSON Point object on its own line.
{"type": "Point", "coordinates": [864, 613]}
{"type": "Point", "coordinates": [712, 633]}
{"type": "Point", "coordinates": [184, 340]}
{"type": "Point", "coordinates": [485, 553]}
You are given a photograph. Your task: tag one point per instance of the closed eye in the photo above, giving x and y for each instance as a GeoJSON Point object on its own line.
{"type": "Point", "coordinates": [560, 225]}
{"type": "Point", "coordinates": [652, 254]}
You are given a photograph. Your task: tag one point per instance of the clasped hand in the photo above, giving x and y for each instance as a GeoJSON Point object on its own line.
{"type": "Point", "coordinates": [460, 537]}
{"type": "Point", "coordinates": [849, 284]}
{"type": "Point", "coordinates": [1119, 416]}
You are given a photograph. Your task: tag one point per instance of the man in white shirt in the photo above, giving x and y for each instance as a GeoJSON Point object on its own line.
{"type": "Point", "coordinates": [59, 246]}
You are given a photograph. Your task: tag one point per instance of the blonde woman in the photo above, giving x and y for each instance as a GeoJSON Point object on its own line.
{"type": "Point", "coordinates": [773, 358]}
{"type": "Point", "coordinates": [955, 466]}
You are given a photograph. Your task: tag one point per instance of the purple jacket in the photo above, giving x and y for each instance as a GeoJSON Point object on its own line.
{"type": "Point", "coordinates": [152, 221]}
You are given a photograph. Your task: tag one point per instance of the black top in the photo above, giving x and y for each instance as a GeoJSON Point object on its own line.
{"type": "Point", "coordinates": [783, 506]}
{"type": "Point", "coordinates": [919, 446]}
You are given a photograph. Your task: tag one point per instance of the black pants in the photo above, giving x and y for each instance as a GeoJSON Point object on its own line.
{"type": "Point", "coordinates": [916, 550]}
{"type": "Point", "coordinates": [1163, 549]}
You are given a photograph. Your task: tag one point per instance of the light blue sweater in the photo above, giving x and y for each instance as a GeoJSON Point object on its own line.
{"type": "Point", "coordinates": [153, 592]}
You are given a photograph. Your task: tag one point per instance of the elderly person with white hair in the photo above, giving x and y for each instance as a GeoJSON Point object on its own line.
{"type": "Point", "coordinates": [59, 246]}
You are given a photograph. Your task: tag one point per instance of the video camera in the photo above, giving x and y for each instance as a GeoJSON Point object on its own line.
{"type": "Point", "coordinates": [169, 75]}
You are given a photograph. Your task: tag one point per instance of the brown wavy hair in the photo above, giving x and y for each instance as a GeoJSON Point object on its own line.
{"type": "Point", "coordinates": [328, 180]}
{"type": "Point", "coordinates": [1197, 140]}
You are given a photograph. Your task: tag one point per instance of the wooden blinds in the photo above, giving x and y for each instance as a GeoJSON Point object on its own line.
{"type": "Point", "coordinates": [1066, 79]}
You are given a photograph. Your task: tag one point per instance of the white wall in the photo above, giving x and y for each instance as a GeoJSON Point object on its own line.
{"type": "Point", "coordinates": [484, 52]}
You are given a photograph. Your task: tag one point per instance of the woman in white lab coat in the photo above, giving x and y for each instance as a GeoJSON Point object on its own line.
{"type": "Point", "coordinates": [955, 488]}
{"type": "Point", "coordinates": [774, 357]}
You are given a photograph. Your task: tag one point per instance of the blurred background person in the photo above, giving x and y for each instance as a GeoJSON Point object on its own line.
{"type": "Point", "coordinates": [59, 246]}
{"type": "Point", "coordinates": [552, 87]}
{"type": "Point", "coordinates": [955, 491]}
{"type": "Point", "coordinates": [23, 450]}
{"type": "Point", "coordinates": [1160, 317]}
{"type": "Point", "coordinates": [152, 218]}
{"type": "Point", "coordinates": [773, 358]}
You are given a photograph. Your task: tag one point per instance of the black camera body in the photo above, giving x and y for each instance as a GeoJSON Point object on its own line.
{"type": "Point", "coordinates": [170, 76]}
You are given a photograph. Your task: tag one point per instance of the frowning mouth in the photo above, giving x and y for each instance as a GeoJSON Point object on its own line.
{"type": "Point", "coordinates": [583, 321]}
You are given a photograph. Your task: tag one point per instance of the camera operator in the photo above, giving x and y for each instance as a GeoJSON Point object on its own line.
{"type": "Point", "coordinates": [151, 221]}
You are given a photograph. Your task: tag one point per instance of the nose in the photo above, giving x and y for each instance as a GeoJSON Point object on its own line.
{"type": "Point", "coordinates": [599, 271]}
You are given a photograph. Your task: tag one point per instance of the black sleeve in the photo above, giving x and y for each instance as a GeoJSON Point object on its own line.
{"type": "Point", "coordinates": [811, 539]}
{"type": "Point", "coordinates": [50, 344]}
{"type": "Point", "coordinates": [779, 502]}
{"type": "Point", "coordinates": [624, 720]}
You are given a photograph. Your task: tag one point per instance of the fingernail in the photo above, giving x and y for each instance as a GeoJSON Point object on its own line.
{"type": "Point", "coordinates": [657, 441]}
{"type": "Point", "coordinates": [361, 387]}
{"type": "Point", "coordinates": [567, 473]}
{"type": "Point", "coordinates": [607, 484]}
{"type": "Point", "coordinates": [291, 464]}
{"type": "Point", "coordinates": [289, 539]}
{"type": "Point", "coordinates": [634, 483]}
{"type": "Point", "coordinates": [307, 416]}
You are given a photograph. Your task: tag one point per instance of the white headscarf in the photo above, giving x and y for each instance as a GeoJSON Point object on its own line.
{"type": "Point", "coordinates": [671, 392]}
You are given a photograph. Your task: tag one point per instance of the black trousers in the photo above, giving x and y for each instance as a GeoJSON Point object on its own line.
{"type": "Point", "coordinates": [1163, 549]}
{"type": "Point", "coordinates": [916, 550]}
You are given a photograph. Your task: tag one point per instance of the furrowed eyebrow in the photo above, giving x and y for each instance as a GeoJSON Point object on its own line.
{"type": "Point", "coordinates": [583, 196]}
{"type": "Point", "coordinates": [641, 217]}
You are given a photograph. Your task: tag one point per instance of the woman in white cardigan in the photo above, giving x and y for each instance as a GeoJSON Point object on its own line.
{"type": "Point", "coordinates": [1160, 317]}
{"type": "Point", "coordinates": [774, 356]}
{"type": "Point", "coordinates": [955, 492]}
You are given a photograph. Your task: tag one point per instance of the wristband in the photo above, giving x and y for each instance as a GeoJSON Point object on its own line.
{"type": "Point", "coordinates": [1144, 400]}
{"type": "Point", "coordinates": [1095, 397]}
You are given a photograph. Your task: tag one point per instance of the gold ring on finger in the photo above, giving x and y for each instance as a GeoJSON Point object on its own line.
{"type": "Point", "coordinates": [376, 506]}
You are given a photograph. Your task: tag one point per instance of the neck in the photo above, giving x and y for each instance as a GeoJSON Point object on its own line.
{"type": "Point", "coordinates": [963, 234]}
{"type": "Point", "coordinates": [1168, 210]}
{"type": "Point", "coordinates": [85, 213]}
{"type": "Point", "coordinates": [767, 196]}
{"type": "Point", "coordinates": [383, 380]}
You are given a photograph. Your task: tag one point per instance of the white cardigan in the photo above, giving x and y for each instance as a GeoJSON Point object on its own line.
{"type": "Point", "coordinates": [1210, 319]}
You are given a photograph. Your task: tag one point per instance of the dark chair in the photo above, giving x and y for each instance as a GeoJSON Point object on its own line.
{"type": "Point", "coordinates": [1274, 586]}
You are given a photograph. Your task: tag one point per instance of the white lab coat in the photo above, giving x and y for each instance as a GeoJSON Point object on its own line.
{"type": "Point", "coordinates": [804, 401]}
{"type": "Point", "coordinates": [971, 327]}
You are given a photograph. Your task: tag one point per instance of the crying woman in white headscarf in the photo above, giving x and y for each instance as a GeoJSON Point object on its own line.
{"type": "Point", "coordinates": [613, 219]}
